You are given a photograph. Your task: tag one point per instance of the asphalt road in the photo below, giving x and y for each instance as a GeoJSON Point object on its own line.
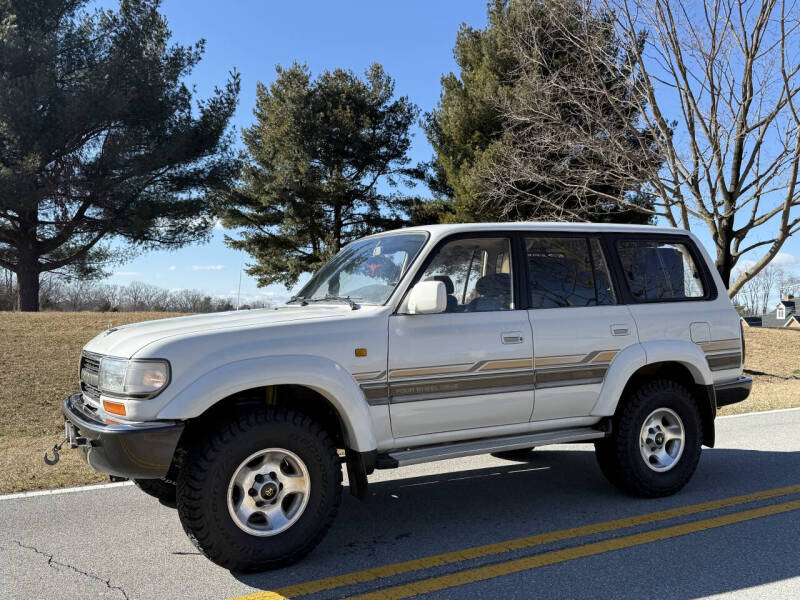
{"type": "Point", "coordinates": [118, 543]}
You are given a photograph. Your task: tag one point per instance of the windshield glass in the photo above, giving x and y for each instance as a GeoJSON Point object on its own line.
{"type": "Point", "coordinates": [365, 271]}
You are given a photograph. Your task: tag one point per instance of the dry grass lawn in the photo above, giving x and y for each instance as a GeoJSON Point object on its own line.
{"type": "Point", "coordinates": [39, 358]}
{"type": "Point", "coordinates": [772, 361]}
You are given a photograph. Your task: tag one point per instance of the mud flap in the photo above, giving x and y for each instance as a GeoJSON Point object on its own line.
{"type": "Point", "coordinates": [359, 465]}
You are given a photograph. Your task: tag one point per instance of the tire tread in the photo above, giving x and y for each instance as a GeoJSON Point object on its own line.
{"type": "Point", "coordinates": [196, 470]}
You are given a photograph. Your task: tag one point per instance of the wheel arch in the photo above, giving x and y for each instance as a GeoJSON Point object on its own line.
{"type": "Point", "coordinates": [314, 383]}
{"type": "Point", "coordinates": [682, 362]}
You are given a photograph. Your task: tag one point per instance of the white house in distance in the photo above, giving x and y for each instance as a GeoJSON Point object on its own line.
{"type": "Point", "coordinates": [785, 314]}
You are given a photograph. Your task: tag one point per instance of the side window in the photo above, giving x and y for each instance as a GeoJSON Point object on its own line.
{"type": "Point", "coordinates": [564, 271]}
{"type": "Point", "coordinates": [659, 270]}
{"type": "Point", "coordinates": [476, 274]}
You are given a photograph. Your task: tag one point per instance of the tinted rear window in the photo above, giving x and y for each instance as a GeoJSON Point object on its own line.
{"type": "Point", "coordinates": [658, 270]}
{"type": "Point", "coordinates": [563, 272]}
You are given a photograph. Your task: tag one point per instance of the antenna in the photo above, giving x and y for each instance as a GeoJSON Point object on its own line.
{"type": "Point", "coordinates": [239, 290]}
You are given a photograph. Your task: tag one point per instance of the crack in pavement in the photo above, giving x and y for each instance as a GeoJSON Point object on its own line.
{"type": "Point", "coordinates": [53, 563]}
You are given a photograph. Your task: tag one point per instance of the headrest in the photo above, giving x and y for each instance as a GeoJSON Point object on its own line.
{"type": "Point", "coordinates": [448, 283]}
{"type": "Point", "coordinates": [496, 284]}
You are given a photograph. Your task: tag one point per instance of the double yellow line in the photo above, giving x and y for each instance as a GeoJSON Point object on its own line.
{"type": "Point", "coordinates": [539, 560]}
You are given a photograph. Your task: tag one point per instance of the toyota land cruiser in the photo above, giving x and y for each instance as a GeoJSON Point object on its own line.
{"type": "Point", "coordinates": [409, 346]}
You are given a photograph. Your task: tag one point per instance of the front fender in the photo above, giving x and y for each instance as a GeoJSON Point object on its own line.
{"type": "Point", "coordinates": [636, 356]}
{"type": "Point", "coordinates": [322, 375]}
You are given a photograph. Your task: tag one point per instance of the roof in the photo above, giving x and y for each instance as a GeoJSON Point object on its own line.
{"type": "Point", "coordinates": [548, 226]}
{"type": "Point", "coordinates": [441, 230]}
{"type": "Point", "coordinates": [752, 321]}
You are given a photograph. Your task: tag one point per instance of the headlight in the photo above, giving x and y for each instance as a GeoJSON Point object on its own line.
{"type": "Point", "coordinates": [133, 377]}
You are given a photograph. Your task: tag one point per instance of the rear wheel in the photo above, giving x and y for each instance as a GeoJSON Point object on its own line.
{"type": "Point", "coordinates": [158, 488]}
{"type": "Point", "coordinates": [520, 455]}
{"type": "Point", "coordinates": [260, 492]}
{"type": "Point", "coordinates": [656, 443]}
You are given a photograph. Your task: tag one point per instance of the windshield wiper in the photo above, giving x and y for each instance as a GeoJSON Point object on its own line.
{"type": "Point", "coordinates": [348, 299]}
{"type": "Point", "coordinates": [299, 299]}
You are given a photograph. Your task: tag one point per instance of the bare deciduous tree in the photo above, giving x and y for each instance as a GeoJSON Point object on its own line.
{"type": "Point", "coordinates": [567, 151]}
{"type": "Point", "coordinates": [733, 161]}
{"type": "Point", "coordinates": [788, 283]}
{"type": "Point", "coordinates": [749, 297]}
{"type": "Point", "coordinates": [716, 86]}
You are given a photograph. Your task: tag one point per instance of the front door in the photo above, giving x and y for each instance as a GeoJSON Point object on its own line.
{"type": "Point", "coordinates": [578, 327]}
{"type": "Point", "coordinates": [470, 366]}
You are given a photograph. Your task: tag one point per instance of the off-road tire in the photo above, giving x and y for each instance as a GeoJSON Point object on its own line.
{"type": "Point", "coordinates": [209, 465]}
{"type": "Point", "coordinates": [164, 491]}
{"type": "Point", "coordinates": [619, 456]}
{"type": "Point", "coordinates": [520, 455]}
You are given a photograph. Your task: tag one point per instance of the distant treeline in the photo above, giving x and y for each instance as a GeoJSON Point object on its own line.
{"type": "Point", "coordinates": [58, 293]}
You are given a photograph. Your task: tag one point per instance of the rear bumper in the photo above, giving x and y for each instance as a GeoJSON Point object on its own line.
{"type": "Point", "coordinates": [141, 451]}
{"type": "Point", "coordinates": [733, 391]}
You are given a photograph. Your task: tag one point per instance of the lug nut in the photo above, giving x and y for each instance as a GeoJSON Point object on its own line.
{"type": "Point", "coordinates": [272, 475]}
{"type": "Point", "coordinates": [252, 492]}
{"type": "Point", "coordinates": [259, 478]}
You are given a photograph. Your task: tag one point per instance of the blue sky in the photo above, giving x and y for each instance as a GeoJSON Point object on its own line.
{"type": "Point", "coordinates": [413, 40]}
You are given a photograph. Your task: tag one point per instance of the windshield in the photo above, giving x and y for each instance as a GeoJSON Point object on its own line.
{"type": "Point", "coordinates": [366, 271]}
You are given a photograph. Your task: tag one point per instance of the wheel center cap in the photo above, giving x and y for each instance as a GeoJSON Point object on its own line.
{"type": "Point", "coordinates": [269, 491]}
{"type": "Point", "coordinates": [659, 438]}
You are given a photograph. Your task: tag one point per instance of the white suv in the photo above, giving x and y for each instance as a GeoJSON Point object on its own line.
{"type": "Point", "coordinates": [410, 346]}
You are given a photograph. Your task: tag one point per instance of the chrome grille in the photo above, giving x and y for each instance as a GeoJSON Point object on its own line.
{"type": "Point", "coordinates": [90, 375]}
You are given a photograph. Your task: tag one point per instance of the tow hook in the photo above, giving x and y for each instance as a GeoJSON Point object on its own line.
{"type": "Point", "coordinates": [55, 450]}
{"type": "Point", "coordinates": [75, 441]}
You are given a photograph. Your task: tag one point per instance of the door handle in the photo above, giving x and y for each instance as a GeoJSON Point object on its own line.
{"type": "Point", "coordinates": [511, 337]}
{"type": "Point", "coordinates": [620, 329]}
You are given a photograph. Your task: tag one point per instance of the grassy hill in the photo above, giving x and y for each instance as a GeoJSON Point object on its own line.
{"type": "Point", "coordinates": [39, 357]}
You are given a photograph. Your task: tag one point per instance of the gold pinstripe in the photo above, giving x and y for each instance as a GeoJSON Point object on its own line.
{"type": "Point", "coordinates": [514, 363]}
{"type": "Point", "coordinates": [435, 370]}
{"type": "Point", "coordinates": [549, 361]}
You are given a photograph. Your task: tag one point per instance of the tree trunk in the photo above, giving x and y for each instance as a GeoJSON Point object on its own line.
{"type": "Point", "coordinates": [724, 258]}
{"type": "Point", "coordinates": [28, 286]}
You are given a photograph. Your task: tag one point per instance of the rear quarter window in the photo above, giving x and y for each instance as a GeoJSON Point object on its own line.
{"type": "Point", "coordinates": [660, 270]}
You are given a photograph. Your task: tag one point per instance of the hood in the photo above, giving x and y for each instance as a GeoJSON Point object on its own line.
{"type": "Point", "coordinates": [124, 341]}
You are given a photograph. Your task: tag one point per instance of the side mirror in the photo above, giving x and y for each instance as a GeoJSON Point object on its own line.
{"type": "Point", "coordinates": [427, 297]}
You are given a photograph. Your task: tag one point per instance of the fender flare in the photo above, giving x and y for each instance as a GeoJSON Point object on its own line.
{"type": "Point", "coordinates": [634, 357]}
{"type": "Point", "coordinates": [322, 375]}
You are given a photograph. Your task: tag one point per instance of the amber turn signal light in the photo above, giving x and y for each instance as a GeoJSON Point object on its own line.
{"type": "Point", "coordinates": [115, 408]}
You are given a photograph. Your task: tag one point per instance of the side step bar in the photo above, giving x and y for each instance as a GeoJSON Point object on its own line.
{"type": "Point", "coordinates": [413, 456]}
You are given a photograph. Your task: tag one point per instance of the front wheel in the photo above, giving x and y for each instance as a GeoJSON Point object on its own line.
{"type": "Point", "coordinates": [260, 492]}
{"type": "Point", "coordinates": [656, 443]}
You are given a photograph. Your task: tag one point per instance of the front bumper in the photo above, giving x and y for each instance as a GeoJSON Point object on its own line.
{"type": "Point", "coordinates": [141, 451]}
{"type": "Point", "coordinates": [733, 391]}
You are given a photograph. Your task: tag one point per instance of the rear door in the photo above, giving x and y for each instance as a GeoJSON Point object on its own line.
{"type": "Point", "coordinates": [672, 296]}
{"type": "Point", "coordinates": [578, 324]}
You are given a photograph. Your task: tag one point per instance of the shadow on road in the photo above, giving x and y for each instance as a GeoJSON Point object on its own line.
{"type": "Point", "coordinates": [556, 489]}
